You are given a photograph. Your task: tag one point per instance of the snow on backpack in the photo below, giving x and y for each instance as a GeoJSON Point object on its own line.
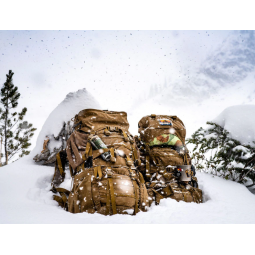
{"type": "Point", "coordinates": [166, 164]}
{"type": "Point", "coordinates": [102, 157]}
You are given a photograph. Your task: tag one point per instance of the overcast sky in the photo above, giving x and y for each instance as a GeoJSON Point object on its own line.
{"type": "Point", "coordinates": [114, 66]}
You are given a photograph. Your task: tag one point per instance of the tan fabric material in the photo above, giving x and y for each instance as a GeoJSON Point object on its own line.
{"type": "Point", "coordinates": [165, 156]}
{"type": "Point", "coordinates": [60, 167]}
{"type": "Point", "coordinates": [149, 127]}
{"type": "Point", "coordinates": [114, 193]}
{"type": "Point", "coordinates": [59, 175]}
{"type": "Point", "coordinates": [113, 202]}
{"type": "Point", "coordinates": [108, 187]}
{"type": "Point", "coordinates": [75, 148]}
{"type": "Point", "coordinates": [93, 120]}
{"type": "Point", "coordinates": [158, 162]}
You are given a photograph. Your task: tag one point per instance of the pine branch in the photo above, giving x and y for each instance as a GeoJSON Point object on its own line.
{"type": "Point", "coordinates": [11, 155]}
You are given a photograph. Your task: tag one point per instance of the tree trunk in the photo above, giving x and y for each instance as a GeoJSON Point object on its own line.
{"type": "Point", "coordinates": [5, 140]}
{"type": "Point", "coordinates": [5, 132]}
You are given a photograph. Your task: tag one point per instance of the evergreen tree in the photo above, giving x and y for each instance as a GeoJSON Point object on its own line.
{"type": "Point", "coordinates": [15, 132]}
{"type": "Point", "coordinates": [216, 152]}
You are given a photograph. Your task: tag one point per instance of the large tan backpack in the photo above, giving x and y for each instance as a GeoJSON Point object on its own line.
{"type": "Point", "coordinates": [160, 160]}
{"type": "Point", "coordinates": [106, 187]}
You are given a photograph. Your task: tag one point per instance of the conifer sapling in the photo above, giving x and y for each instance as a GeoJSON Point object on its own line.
{"type": "Point", "coordinates": [15, 132]}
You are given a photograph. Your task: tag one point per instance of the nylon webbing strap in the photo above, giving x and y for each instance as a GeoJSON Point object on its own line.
{"type": "Point", "coordinates": [114, 210]}
{"type": "Point", "coordinates": [185, 159]}
{"type": "Point", "coordinates": [113, 159]}
{"type": "Point", "coordinates": [135, 155]}
{"type": "Point", "coordinates": [136, 197]}
{"type": "Point", "coordinates": [125, 136]}
{"type": "Point", "coordinates": [112, 152]}
{"type": "Point", "coordinates": [62, 190]}
{"type": "Point", "coordinates": [60, 164]}
{"type": "Point", "coordinates": [64, 198]}
{"type": "Point", "coordinates": [106, 131]}
{"type": "Point", "coordinates": [98, 172]}
{"type": "Point", "coordinates": [97, 153]}
{"type": "Point", "coordinates": [59, 200]}
{"type": "Point", "coordinates": [95, 171]}
{"type": "Point", "coordinates": [135, 152]}
{"type": "Point", "coordinates": [88, 151]}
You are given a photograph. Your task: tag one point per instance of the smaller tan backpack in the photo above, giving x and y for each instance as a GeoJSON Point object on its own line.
{"type": "Point", "coordinates": [163, 151]}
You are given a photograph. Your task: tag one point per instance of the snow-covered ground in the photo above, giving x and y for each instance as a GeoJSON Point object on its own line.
{"type": "Point", "coordinates": [25, 195]}
{"type": "Point", "coordinates": [25, 198]}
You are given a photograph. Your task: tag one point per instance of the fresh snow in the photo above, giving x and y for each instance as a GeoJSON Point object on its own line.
{"type": "Point", "coordinates": [25, 198]}
{"type": "Point", "coordinates": [239, 121]}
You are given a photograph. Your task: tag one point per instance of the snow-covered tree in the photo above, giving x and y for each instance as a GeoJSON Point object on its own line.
{"type": "Point", "coordinates": [216, 152]}
{"type": "Point", "coordinates": [15, 132]}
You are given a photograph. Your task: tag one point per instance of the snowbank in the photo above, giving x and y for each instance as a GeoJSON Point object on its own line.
{"type": "Point", "coordinates": [239, 121]}
{"type": "Point", "coordinates": [25, 198]}
{"type": "Point", "coordinates": [65, 111]}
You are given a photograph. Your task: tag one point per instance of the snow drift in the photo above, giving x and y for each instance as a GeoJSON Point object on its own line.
{"type": "Point", "coordinates": [239, 121]}
{"type": "Point", "coordinates": [65, 111]}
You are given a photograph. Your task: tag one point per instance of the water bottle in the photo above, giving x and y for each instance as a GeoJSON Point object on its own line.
{"type": "Point", "coordinates": [98, 144]}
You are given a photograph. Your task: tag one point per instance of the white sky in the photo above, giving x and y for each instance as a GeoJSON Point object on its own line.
{"type": "Point", "coordinates": [112, 65]}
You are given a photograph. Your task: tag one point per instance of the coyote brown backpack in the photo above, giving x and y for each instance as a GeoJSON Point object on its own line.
{"type": "Point", "coordinates": [106, 187]}
{"type": "Point", "coordinates": [162, 148]}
